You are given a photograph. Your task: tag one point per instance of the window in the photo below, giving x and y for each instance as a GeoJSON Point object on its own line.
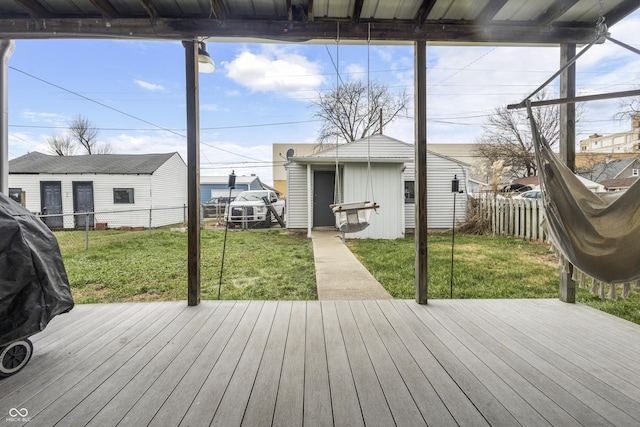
{"type": "Point", "coordinates": [16, 194]}
{"type": "Point", "coordinates": [409, 192]}
{"type": "Point", "coordinates": [123, 195]}
{"type": "Point", "coordinates": [635, 172]}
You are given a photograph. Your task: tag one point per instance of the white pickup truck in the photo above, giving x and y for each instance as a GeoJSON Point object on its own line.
{"type": "Point", "coordinates": [249, 210]}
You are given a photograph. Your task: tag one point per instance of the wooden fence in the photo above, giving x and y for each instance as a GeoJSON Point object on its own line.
{"type": "Point", "coordinates": [514, 217]}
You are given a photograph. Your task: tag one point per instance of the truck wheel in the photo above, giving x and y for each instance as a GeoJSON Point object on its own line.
{"type": "Point", "coordinates": [14, 357]}
{"type": "Point", "coordinates": [267, 220]}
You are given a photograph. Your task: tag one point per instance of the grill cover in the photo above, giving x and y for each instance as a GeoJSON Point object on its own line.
{"type": "Point", "coordinates": [33, 282]}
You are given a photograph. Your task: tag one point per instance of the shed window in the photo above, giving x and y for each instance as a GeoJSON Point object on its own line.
{"type": "Point", "coordinates": [123, 195]}
{"type": "Point", "coordinates": [16, 194]}
{"type": "Point", "coordinates": [409, 192]}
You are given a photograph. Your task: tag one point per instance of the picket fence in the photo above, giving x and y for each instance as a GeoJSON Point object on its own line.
{"type": "Point", "coordinates": [515, 217]}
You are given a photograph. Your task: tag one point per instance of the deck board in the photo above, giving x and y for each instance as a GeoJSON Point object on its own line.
{"type": "Point", "coordinates": [386, 362]}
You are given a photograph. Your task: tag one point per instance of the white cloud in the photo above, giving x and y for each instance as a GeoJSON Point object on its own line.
{"type": "Point", "coordinates": [275, 69]}
{"type": "Point", "coordinates": [153, 87]}
{"type": "Point", "coordinates": [50, 118]}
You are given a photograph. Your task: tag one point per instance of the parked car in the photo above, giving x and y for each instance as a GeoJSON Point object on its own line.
{"type": "Point", "coordinates": [250, 210]}
{"type": "Point", "coordinates": [216, 206]}
{"type": "Point", "coordinates": [531, 194]}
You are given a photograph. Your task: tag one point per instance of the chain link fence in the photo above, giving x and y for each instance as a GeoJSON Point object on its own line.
{"type": "Point", "coordinates": [78, 230]}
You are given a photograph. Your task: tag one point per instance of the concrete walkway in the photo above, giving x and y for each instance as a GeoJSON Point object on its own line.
{"type": "Point", "coordinates": [339, 274]}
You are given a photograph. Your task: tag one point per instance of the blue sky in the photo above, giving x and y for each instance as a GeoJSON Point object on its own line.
{"type": "Point", "coordinates": [133, 92]}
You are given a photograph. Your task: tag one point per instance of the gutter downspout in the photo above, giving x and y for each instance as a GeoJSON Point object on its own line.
{"type": "Point", "coordinates": [6, 50]}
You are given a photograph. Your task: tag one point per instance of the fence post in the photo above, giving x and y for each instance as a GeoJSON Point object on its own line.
{"type": "Point", "coordinates": [86, 231]}
{"type": "Point", "coordinates": [150, 210]}
{"type": "Point", "coordinates": [184, 214]}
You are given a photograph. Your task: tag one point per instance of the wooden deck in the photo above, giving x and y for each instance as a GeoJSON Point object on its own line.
{"type": "Point", "coordinates": [391, 362]}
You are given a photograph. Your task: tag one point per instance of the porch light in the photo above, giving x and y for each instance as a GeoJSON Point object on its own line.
{"type": "Point", "coordinates": [205, 63]}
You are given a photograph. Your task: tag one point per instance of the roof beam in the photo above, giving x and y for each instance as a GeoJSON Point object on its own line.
{"type": "Point", "coordinates": [217, 9]}
{"type": "Point", "coordinates": [357, 11]}
{"type": "Point", "coordinates": [34, 8]}
{"type": "Point", "coordinates": [148, 7]}
{"type": "Point", "coordinates": [423, 12]}
{"type": "Point", "coordinates": [106, 8]}
{"type": "Point", "coordinates": [295, 31]}
{"type": "Point", "coordinates": [555, 11]}
{"type": "Point", "coordinates": [620, 11]}
{"type": "Point", "coordinates": [489, 11]}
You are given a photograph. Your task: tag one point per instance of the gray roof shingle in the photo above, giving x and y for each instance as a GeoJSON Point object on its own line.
{"type": "Point", "coordinates": [119, 164]}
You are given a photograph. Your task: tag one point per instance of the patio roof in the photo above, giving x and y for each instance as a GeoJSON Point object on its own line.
{"type": "Point", "coordinates": [445, 21]}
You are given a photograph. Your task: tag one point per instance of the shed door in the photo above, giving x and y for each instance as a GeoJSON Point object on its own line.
{"type": "Point", "coordinates": [51, 203]}
{"type": "Point", "coordinates": [323, 188]}
{"type": "Point", "coordinates": [83, 202]}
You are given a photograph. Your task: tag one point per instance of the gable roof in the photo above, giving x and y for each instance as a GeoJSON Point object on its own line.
{"type": "Point", "coordinates": [610, 169]}
{"type": "Point", "coordinates": [375, 148]}
{"type": "Point", "coordinates": [619, 183]}
{"type": "Point", "coordinates": [109, 164]}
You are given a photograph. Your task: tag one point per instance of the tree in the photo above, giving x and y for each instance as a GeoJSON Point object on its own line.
{"type": "Point", "coordinates": [351, 112]}
{"type": "Point", "coordinates": [83, 133]}
{"type": "Point", "coordinates": [507, 137]}
{"type": "Point", "coordinates": [61, 145]}
{"type": "Point", "coordinates": [629, 108]}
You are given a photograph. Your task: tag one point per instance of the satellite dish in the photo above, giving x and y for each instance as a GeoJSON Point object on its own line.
{"type": "Point", "coordinates": [290, 153]}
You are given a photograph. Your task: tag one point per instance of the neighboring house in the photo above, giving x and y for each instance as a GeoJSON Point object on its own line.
{"type": "Point", "coordinates": [102, 183]}
{"type": "Point", "coordinates": [281, 155]}
{"type": "Point", "coordinates": [311, 186]}
{"type": "Point", "coordinates": [612, 169]}
{"type": "Point", "coordinates": [622, 142]}
{"type": "Point", "coordinates": [218, 186]}
{"type": "Point", "coordinates": [618, 184]}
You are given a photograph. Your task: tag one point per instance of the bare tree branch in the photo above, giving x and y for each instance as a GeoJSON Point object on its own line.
{"type": "Point", "coordinates": [352, 111]}
{"type": "Point", "coordinates": [84, 134]}
{"type": "Point", "coordinates": [507, 137]}
{"type": "Point", "coordinates": [61, 145]}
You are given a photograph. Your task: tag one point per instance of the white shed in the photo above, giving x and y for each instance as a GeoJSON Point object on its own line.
{"type": "Point", "coordinates": [136, 190]}
{"type": "Point", "coordinates": [311, 186]}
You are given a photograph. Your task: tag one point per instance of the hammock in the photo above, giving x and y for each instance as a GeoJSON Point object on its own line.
{"type": "Point", "coordinates": [353, 217]}
{"type": "Point", "coordinates": [598, 234]}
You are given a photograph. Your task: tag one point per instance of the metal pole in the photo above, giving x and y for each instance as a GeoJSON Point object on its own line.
{"type": "Point", "coordinates": [224, 248]}
{"type": "Point", "coordinates": [453, 238]}
{"type": "Point", "coordinates": [6, 50]}
{"type": "Point", "coordinates": [86, 231]}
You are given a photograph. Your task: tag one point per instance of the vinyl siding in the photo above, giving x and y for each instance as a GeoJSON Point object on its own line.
{"type": "Point", "coordinates": [169, 192]}
{"type": "Point", "coordinates": [440, 172]}
{"type": "Point", "coordinates": [387, 222]}
{"type": "Point", "coordinates": [169, 187]}
{"type": "Point", "coordinates": [297, 205]}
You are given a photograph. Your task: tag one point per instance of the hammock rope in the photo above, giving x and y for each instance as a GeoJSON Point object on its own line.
{"type": "Point", "coordinates": [353, 217]}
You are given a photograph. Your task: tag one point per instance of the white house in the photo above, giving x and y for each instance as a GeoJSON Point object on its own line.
{"type": "Point", "coordinates": [120, 188]}
{"type": "Point", "coordinates": [389, 182]}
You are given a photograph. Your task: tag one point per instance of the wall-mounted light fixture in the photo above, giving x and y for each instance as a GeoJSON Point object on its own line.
{"type": "Point", "coordinates": [205, 63]}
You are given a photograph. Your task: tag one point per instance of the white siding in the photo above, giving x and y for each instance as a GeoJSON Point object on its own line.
{"type": "Point", "coordinates": [297, 204]}
{"type": "Point", "coordinates": [167, 187]}
{"type": "Point", "coordinates": [103, 186]}
{"type": "Point", "coordinates": [440, 172]}
{"type": "Point", "coordinates": [386, 190]}
{"type": "Point", "coordinates": [169, 192]}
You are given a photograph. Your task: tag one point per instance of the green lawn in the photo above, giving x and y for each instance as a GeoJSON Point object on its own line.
{"type": "Point", "coordinates": [138, 266]}
{"type": "Point", "coordinates": [484, 267]}
{"type": "Point", "coordinates": [277, 265]}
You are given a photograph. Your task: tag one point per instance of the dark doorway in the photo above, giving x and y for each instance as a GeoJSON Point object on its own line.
{"type": "Point", "coordinates": [323, 188]}
{"type": "Point", "coordinates": [82, 203]}
{"type": "Point", "coordinates": [51, 203]}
